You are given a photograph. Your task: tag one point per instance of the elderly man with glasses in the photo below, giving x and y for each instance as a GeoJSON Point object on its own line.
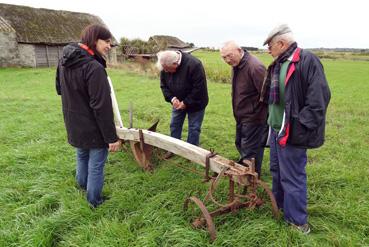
{"type": "Point", "coordinates": [183, 83]}
{"type": "Point", "coordinates": [297, 92]}
{"type": "Point", "coordinates": [247, 79]}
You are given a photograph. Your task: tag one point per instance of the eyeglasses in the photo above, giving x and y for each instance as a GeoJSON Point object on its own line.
{"type": "Point", "coordinates": [271, 45]}
{"type": "Point", "coordinates": [228, 56]}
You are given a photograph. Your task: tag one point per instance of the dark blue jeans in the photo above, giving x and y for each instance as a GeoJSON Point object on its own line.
{"type": "Point", "coordinates": [249, 144]}
{"type": "Point", "coordinates": [194, 125]}
{"type": "Point", "coordinates": [287, 166]}
{"type": "Point", "coordinates": [90, 172]}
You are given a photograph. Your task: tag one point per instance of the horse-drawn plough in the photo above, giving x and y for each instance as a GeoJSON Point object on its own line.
{"type": "Point", "coordinates": [245, 189]}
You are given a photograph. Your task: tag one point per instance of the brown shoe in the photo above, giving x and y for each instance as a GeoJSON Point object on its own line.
{"type": "Point", "coordinates": [168, 155]}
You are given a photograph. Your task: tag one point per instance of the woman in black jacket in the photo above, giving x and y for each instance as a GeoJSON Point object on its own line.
{"type": "Point", "coordinates": [82, 82]}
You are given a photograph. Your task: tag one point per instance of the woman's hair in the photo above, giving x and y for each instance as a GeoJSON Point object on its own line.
{"type": "Point", "coordinates": [92, 33]}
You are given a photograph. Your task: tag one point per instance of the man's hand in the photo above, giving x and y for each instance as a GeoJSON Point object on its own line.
{"type": "Point", "coordinates": [181, 106]}
{"type": "Point", "coordinates": [113, 147]}
{"type": "Point", "coordinates": [175, 103]}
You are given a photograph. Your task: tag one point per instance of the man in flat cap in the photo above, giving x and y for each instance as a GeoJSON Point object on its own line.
{"type": "Point", "coordinates": [247, 79]}
{"type": "Point", "coordinates": [298, 94]}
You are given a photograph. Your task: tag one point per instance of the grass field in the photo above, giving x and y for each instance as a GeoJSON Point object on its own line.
{"type": "Point", "coordinates": [41, 206]}
{"type": "Point", "coordinates": [215, 67]}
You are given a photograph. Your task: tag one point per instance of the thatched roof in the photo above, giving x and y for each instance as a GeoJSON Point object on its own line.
{"type": "Point", "coordinates": [169, 41]}
{"type": "Point", "coordinates": [5, 26]}
{"type": "Point", "coordinates": [45, 26]}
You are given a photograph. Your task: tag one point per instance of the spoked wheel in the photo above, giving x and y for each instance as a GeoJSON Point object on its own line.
{"type": "Point", "coordinates": [202, 219]}
{"type": "Point", "coordinates": [266, 194]}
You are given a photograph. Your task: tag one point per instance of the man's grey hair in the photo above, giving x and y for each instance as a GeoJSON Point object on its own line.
{"type": "Point", "coordinates": [166, 58]}
{"type": "Point", "coordinates": [286, 37]}
{"type": "Point", "coordinates": [230, 44]}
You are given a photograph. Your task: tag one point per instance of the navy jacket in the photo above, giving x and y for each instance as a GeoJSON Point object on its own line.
{"type": "Point", "coordinates": [81, 80]}
{"type": "Point", "coordinates": [188, 84]}
{"type": "Point", "coordinates": [307, 96]}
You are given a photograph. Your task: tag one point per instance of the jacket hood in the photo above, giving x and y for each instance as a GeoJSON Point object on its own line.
{"type": "Point", "coordinates": [74, 56]}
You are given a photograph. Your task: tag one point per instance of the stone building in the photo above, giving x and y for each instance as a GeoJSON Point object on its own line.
{"type": "Point", "coordinates": [33, 37]}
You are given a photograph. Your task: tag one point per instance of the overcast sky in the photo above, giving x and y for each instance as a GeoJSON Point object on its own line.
{"type": "Point", "coordinates": [315, 23]}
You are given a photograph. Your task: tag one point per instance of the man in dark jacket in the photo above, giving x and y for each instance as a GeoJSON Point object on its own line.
{"type": "Point", "coordinates": [82, 82]}
{"type": "Point", "coordinates": [183, 83]}
{"type": "Point", "coordinates": [297, 92]}
{"type": "Point", "coordinates": [247, 79]}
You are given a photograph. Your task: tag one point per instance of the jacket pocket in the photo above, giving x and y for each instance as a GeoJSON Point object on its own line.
{"type": "Point", "coordinates": [299, 134]}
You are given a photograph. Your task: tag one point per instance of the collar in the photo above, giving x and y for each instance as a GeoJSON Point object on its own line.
{"type": "Point", "coordinates": [85, 47]}
{"type": "Point", "coordinates": [98, 57]}
{"type": "Point", "coordinates": [296, 55]}
{"type": "Point", "coordinates": [243, 60]}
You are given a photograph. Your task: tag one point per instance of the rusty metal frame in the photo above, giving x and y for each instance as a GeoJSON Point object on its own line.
{"type": "Point", "coordinates": [244, 177]}
{"type": "Point", "coordinates": [238, 175]}
{"type": "Point", "coordinates": [236, 201]}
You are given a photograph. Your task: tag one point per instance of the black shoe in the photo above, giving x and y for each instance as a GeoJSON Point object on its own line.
{"type": "Point", "coordinates": [102, 200]}
{"type": "Point", "coordinates": [105, 198]}
{"type": "Point", "coordinates": [81, 188]}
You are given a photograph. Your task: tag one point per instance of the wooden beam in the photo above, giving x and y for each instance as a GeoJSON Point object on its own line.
{"type": "Point", "coordinates": [186, 150]}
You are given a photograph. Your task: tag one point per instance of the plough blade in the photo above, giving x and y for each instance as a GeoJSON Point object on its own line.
{"type": "Point", "coordinates": [142, 151]}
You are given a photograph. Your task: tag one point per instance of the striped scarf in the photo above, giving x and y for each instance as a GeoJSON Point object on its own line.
{"type": "Point", "coordinates": [274, 71]}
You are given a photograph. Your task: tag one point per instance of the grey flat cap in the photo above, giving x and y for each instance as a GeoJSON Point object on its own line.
{"type": "Point", "coordinates": [281, 29]}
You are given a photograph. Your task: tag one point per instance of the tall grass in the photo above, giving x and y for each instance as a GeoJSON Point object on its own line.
{"type": "Point", "coordinates": [41, 206]}
{"type": "Point", "coordinates": [217, 70]}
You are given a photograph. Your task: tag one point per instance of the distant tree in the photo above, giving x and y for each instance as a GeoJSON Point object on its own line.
{"type": "Point", "coordinates": [137, 46]}
{"type": "Point", "coordinates": [250, 48]}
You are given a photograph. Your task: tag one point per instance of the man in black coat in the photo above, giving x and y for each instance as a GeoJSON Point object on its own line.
{"type": "Point", "coordinates": [183, 83]}
{"type": "Point", "coordinates": [297, 92]}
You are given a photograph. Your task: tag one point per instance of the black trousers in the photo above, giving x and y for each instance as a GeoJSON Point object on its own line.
{"type": "Point", "coordinates": [250, 142]}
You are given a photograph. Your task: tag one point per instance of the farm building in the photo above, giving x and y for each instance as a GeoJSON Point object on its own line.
{"type": "Point", "coordinates": [32, 37]}
{"type": "Point", "coordinates": [170, 42]}
{"type": "Point", "coordinates": [148, 49]}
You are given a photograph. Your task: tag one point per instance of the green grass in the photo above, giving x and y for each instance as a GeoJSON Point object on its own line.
{"type": "Point", "coordinates": [217, 70]}
{"type": "Point", "coordinates": [40, 205]}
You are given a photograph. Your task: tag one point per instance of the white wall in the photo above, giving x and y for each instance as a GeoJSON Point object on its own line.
{"type": "Point", "coordinates": [9, 54]}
